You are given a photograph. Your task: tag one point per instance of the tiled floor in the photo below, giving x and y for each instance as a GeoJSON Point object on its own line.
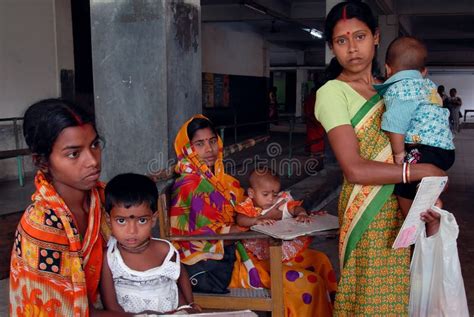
{"type": "Point", "coordinates": [458, 199]}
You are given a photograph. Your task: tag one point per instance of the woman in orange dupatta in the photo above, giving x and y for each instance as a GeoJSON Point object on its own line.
{"type": "Point", "coordinates": [57, 253]}
{"type": "Point", "coordinates": [203, 202]}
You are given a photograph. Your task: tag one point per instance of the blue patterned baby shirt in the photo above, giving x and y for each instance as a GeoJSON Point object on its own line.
{"type": "Point", "coordinates": [414, 108]}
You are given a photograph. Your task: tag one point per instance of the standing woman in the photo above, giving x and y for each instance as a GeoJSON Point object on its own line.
{"type": "Point", "coordinates": [57, 253]}
{"type": "Point", "coordinates": [374, 277]}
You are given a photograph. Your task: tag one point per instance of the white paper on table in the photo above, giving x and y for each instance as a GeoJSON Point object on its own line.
{"type": "Point", "coordinates": [240, 313]}
{"type": "Point", "coordinates": [428, 192]}
{"type": "Point", "coordinates": [288, 229]}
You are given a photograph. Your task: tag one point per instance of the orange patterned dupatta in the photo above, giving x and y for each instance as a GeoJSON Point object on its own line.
{"type": "Point", "coordinates": [53, 271]}
{"type": "Point", "coordinates": [202, 201]}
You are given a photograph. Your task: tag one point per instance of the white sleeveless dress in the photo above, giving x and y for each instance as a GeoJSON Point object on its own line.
{"type": "Point", "coordinates": [155, 289]}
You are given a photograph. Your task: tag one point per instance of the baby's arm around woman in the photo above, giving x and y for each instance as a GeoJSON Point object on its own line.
{"type": "Point", "coordinates": [358, 170]}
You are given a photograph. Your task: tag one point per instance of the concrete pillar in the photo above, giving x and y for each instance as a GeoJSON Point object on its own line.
{"type": "Point", "coordinates": [301, 77]}
{"type": "Point", "coordinates": [147, 78]}
{"type": "Point", "coordinates": [388, 27]}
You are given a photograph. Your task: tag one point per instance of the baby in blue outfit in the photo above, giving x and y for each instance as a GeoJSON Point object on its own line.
{"type": "Point", "coordinates": [415, 120]}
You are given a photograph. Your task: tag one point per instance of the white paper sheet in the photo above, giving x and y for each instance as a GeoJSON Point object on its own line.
{"type": "Point", "coordinates": [240, 313]}
{"type": "Point", "coordinates": [426, 196]}
{"type": "Point", "coordinates": [288, 229]}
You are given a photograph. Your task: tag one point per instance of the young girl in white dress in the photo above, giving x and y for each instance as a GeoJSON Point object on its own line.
{"type": "Point", "coordinates": [140, 274]}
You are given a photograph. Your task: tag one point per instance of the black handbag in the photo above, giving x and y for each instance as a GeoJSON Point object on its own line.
{"type": "Point", "coordinates": [212, 276]}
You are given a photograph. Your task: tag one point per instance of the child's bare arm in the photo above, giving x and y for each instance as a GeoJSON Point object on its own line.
{"type": "Point", "coordinates": [275, 213]}
{"type": "Point", "coordinates": [184, 287]}
{"type": "Point", "coordinates": [246, 221]}
{"type": "Point", "coordinates": [398, 146]}
{"type": "Point", "coordinates": [107, 288]}
{"type": "Point", "coordinates": [297, 210]}
{"type": "Point", "coordinates": [300, 214]}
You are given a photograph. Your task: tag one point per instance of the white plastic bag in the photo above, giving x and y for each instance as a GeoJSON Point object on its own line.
{"type": "Point", "coordinates": [437, 286]}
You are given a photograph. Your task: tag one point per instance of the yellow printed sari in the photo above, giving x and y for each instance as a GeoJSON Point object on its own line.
{"type": "Point", "coordinates": [374, 277]}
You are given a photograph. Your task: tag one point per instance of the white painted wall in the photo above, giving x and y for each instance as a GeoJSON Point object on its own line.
{"type": "Point", "coordinates": [460, 78]}
{"type": "Point", "coordinates": [233, 49]}
{"type": "Point", "coordinates": [35, 43]}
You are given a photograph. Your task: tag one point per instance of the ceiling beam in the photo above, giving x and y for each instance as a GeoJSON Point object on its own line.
{"type": "Point", "coordinates": [308, 10]}
{"type": "Point", "coordinates": [434, 7]}
{"type": "Point", "coordinates": [278, 7]}
{"type": "Point", "coordinates": [386, 6]}
{"type": "Point", "coordinates": [231, 13]}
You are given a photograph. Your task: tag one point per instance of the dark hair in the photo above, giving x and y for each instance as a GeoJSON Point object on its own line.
{"type": "Point", "coordinates": [262, 172]}
{"type": "Point", "coordinates": [129, 190]}
{"type": "Point", "coordinates": [348, 10]}
{"type": "Point", "coordinates": [452, 90]}
{"type": "Point", "coordinates": [333, 70]}
{"type": "Point", "coordinates": [198, 124]}
{"type": "Point", "coordinates": [46, 119]}
{"type": "Point", "coordinates": [406, 52]}
{"type": "Point", "coordinates": [440, 89]}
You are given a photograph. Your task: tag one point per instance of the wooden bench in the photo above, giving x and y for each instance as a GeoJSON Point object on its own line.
{"type": "Point", "coordinates": [19, 161]}
{"type": "Point", "coordinates": [466, 111]}
{"type": "Point", "coordinates": [14, 153]}
{"type": "Point", "coordinates": [239, 298]}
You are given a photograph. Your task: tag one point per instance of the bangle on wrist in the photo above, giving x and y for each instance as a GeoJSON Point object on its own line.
{"type": "Point", "coordinates": [404, 170]}
{"type": "Point", "coordinates": [184, 307]}
{"type": "Point", "coordinates": [408, 173]}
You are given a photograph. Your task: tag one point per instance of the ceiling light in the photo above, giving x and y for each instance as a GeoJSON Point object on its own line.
{"type": "Point", "coordinates": [315, 33]}
{"type": "Point", "coordinates": [254, 8]}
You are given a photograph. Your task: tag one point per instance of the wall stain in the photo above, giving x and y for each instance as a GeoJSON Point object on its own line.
{"type": "Point", "coordinates": [139, 11]}
{"type": "Point", "coordinates": [186, 22]}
